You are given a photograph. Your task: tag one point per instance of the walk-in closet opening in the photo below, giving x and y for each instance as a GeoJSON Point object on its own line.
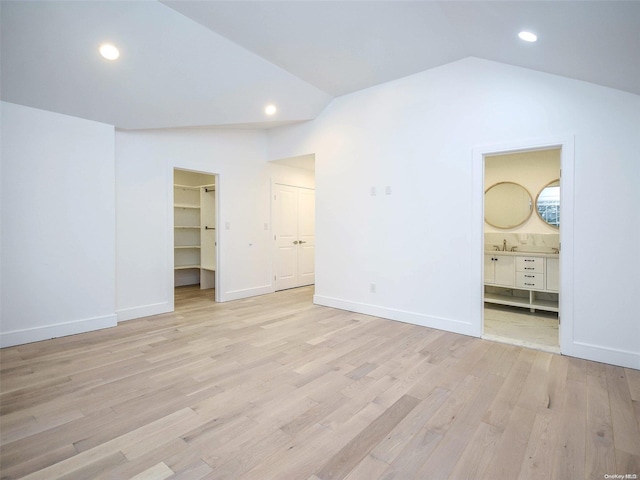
{"type": "Point", "coordinates": [195, 243]}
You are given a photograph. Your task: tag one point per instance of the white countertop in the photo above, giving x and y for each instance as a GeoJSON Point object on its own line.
{"type": "Point", "coordinates": [522, 253]}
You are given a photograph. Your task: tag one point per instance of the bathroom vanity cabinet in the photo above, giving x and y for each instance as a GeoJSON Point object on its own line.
{"type": "Point", "coordinates": [522, 280]}
{"type": "Point", "coordinates": [498, 270]}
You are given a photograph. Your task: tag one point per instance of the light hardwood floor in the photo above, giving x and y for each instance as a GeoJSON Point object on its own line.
{"type": "Point", "coordinates": [274, 387]}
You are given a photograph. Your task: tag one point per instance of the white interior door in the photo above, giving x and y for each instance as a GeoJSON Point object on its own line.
{"type": "Point", "coordinates": [294, 227]}
{"type": "Point", "coordinates": [306, 236]}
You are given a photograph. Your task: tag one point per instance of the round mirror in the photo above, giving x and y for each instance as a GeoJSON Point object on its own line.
{"type": "Point", "coordinates": [507, 205]}
{"type": "Point", "coordinates": [548, 203]}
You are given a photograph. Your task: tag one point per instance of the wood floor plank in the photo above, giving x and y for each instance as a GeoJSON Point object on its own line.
{"type": "Point", "coordinates": [234, 460]}
{"type": "Point", "coordinates": [412, 457]}
{"type": "Point", "coordinates": [313, 415]}
{"type": "Point", "coordinates": [492, 357]}
{"type": "Point", "coordinates": [628, 463]}
{"type": "Point", "coordinates": [600, 455]}
{"type": "Point", "coordinates": [633, 380]}
{"type": "Point", "coordinates": [500, 410]}
{"type": "Point", "coordinates": [159, 471]}
{"type": "Point", "coordinates": [34, 462]}
{"type": "Point", "coordinates": [350, 455]}
{"type": "Point", "coordinates": [396, 441]}
{"type": "Point", "coordinates": [544, 439]}
{"type": "Point", "coordinates": [570, 454]}
{"type": "Point", "coordinates": [369, 467]}
{"type": "Point", "coordinates": [440, 464]}
{"type": "Point", "coordinates": [195, 471]}
{"type": "Point", "coordinates": [477, 456]}
{"type": "Point", "coordinates": [540, 452]}
{"type": "Point", "coordinates": [510, 450]}
{"type": "Point", "coordinates": [534, 394]}
{"type": "Point", "coordinates": [309, 450]}
{"type": "Point", "coordinates": [627, 434]}
{"type": "Point", "coordinates": [457, 401]}
{"type": "Point", "coordinates": [274, 387]}
{"type": "Point", "coordinates": [95, 467]}
{"type": "Point", "coordinates": [420, 373]}
{"type": "Point", "coordinates": [26, 427]}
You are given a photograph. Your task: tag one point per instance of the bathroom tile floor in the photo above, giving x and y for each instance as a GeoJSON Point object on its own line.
{"type": "Point", "coordinates": [519, 326]}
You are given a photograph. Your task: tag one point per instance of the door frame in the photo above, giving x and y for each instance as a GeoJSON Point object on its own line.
{"type": "Point", "coordinates": [567, 148]}
{"type": "Point", "coordinates": [170, 234]}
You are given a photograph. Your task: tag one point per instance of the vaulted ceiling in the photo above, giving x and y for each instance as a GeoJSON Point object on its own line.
{"type": "Point", "coordinates": [202, 63]}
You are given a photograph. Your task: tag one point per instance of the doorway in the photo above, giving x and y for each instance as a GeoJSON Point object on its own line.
{"type": "Point", "coordinates": [195, 243]}
{"type": "Point", "coordinates": [294, 235]}
{"type": "Point", "coordinates": [523, 296]}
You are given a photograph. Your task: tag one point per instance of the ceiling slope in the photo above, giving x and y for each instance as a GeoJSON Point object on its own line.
{"type": "Point", "coordinates": [339, 46]}
{"type": "Point", "coordinates": [344, 46]}
{"type": "Point", "coordinates": [208, 62]}
{"type": "Point", "coordinates": [172, 72]}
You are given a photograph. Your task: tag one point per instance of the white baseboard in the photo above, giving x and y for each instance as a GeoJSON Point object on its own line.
{"type": "Point", "coordinates": [143, 311]}
{"type": "Point", "coordinates": [249, 292]}
{"type": "Point", "coordinates": [598, 353]}
{"type": "Point", "coordinates": [582, 350]}
{"type": "Point", "coordinates": [37, 334]}
{"type": "Point", "coordinates": [450, 325]}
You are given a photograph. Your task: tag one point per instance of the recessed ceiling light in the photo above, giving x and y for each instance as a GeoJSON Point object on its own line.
{"type": "Point", "coordinates": [528, 36]}
{"type": "Point", "coordinates": [109, 52]}
{"type": "Point", "coordinates": [270, 109]}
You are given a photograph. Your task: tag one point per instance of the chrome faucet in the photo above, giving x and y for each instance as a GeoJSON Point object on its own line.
{"type": "Point", "coordinates": [504, 245]}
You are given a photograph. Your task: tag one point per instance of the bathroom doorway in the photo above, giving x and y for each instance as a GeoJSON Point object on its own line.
{"type": "Point", "coordinates": [521, 247]}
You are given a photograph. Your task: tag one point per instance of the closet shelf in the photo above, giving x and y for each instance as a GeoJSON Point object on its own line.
{"type": "Point", "coordinates": [193, 242]}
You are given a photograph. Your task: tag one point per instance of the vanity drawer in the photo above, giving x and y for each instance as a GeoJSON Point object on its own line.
{"type": "Point", "coordinates": [532, 281]}
{"type": "Point", "coordinates": [530, 264]}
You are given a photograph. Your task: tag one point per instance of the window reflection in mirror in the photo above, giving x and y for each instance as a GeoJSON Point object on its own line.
{"type": "Point", "coordinates": [548, 203]}
{"type": "Point", "coordinates": [507, 205]}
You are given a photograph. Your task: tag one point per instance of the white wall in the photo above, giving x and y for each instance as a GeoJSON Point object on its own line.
{"type": "Point", "coordinates": [291, 175]}
{"type": "Point", "coordinates": [420, 244]}
{"type": "Point", "coordinates": [144, 167]}
{"type": "Point", "coordinates": [58, 219]}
